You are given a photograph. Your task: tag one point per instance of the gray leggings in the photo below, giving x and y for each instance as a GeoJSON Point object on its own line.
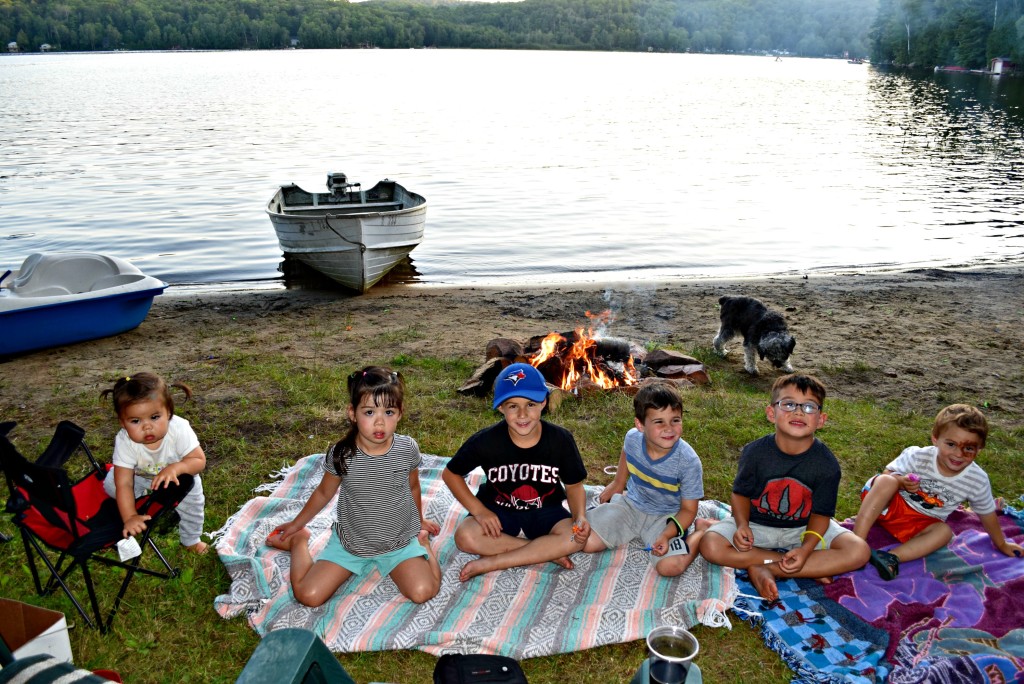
{"type": "Point", "coordinates": [190, 510]}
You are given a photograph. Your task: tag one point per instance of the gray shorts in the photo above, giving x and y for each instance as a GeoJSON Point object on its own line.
{"type": "Point", "coordinates": [619, 522]}
{"type": "Point", "coordinates": [785, 538]}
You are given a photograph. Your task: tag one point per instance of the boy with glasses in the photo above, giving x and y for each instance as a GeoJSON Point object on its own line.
{"type": "Point", "coordinates": [917, 491]}
{"type": "Point", "coordinates": [784, 497]}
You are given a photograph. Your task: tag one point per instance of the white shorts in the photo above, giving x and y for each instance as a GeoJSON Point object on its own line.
{"type": "Point", "coordinates": [784, 538]}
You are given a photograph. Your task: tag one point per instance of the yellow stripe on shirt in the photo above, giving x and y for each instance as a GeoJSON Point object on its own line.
{"type": "Point", "coordinates": [658, 484]}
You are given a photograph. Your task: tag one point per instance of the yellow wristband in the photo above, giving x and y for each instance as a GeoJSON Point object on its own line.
{"type": "Point", "coordinates": [807, 532]}
{"type": "Point", "coordinates": [679, 528]}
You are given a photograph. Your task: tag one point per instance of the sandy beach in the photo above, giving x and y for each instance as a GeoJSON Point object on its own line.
{"type": "Point", "coordinates": [920, 338]}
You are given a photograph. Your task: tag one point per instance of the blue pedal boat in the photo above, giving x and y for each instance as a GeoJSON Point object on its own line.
{"type": "Point", "coordinates": [63, 298]}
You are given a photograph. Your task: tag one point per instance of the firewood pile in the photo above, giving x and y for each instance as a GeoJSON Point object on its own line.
{"type": "Point", "coordinates": [577, 364]}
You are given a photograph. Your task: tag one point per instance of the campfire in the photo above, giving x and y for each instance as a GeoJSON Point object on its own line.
{"type": "Point", "coordinates": [584, 361]}
{"type": "Point", "coordinates": [581, 358]}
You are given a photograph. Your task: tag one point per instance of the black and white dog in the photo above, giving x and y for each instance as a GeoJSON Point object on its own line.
{"type": "Point", "coordinates": [764, 332]}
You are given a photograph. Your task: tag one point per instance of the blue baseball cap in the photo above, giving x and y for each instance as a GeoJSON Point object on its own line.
{"type": "Point", "coordinates": [519, 380]}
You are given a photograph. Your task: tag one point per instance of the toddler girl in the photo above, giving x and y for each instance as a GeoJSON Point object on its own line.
{"type": "Point", "coordinates": [153, 449]}
{"type": "Point", "coordinates": [380, 521]}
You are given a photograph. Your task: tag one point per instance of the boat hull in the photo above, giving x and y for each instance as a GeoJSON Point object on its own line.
{"type": "Point", "coordinates": [64, 298]}
{"type": "Point", "coordinates": [354, 244]}
{"type": "Point", "coordinates": [53, 325]}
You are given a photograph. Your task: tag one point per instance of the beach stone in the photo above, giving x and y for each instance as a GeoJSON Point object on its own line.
{"type": "Point", "coordinates": [668, 357]}
{"type": "Point", "coordinates": [695, 373]}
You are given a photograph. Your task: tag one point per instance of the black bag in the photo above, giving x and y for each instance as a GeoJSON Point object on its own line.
{"type": "Point", "coordinates": [455, 668]}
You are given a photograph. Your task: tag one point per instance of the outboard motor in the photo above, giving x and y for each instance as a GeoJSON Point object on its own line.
{"type": "Point", "coordinates": [337, 183]}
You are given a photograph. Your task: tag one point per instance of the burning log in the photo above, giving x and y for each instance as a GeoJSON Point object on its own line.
{"type": "Point", "coordinates": [581, 363]}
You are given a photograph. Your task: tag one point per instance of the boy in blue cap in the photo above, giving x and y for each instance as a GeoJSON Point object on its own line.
{"type": "Point", "coordinates": [532, 466]}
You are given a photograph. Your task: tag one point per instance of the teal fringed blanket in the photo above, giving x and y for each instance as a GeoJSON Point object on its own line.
{"type": "Point", "coordinates": [610, 597]}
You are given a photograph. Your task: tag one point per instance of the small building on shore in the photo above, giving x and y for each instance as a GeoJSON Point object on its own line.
{"type": "Point", "coordinates": [1002, 65]}
{"type": "Point", "coordinates": [13, 47]}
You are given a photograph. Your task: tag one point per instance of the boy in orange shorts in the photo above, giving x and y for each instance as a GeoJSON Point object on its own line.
{"type": "Point", "coordinates": [917, 491]}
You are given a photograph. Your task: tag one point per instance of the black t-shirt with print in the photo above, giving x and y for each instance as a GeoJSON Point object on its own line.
{"type": "Point", "coordinates": [784, 489]}
{"type": "Point", "coordinates": [521, 479]}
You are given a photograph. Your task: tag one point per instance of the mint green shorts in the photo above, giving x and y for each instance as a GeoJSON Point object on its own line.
{"type": "Point", "coordinates": [336, 553]}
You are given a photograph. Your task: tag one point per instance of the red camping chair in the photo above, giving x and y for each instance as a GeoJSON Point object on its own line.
{"type": "Point", "coordinates": [77, 521]}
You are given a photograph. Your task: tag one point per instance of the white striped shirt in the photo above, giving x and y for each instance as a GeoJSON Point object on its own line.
{"type": "Point", "coordinates": [376, 511]}
{"type": "Point", "coordinates": [943, 495]}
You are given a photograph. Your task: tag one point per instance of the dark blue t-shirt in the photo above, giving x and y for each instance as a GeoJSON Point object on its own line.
{"type": "Point", "coordinates": [784, 490]}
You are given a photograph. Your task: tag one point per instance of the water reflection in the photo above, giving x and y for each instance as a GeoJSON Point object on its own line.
{"type": "Point", "coordinates": [551, 167]}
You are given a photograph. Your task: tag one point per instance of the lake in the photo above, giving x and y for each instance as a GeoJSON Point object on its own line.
{"type": "Point", "coordinates": [539, 167]}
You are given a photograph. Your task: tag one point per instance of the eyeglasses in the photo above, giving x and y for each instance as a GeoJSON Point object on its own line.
{"type": "Point", "coordinates": [788, 405]}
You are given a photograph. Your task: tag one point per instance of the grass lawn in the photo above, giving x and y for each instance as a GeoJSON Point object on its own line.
{"type": "Point", "coordinates": [255, 412]}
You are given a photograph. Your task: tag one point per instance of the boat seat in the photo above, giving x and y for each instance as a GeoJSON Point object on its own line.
{"type": "Point", "coordinates": [47, 291]}
{"type": "Point", "coordinates": [344, 208]}
{"type": "Point", "coordinates": [116, 281]}
{"type": "Point", "coordinates": [47, 275]}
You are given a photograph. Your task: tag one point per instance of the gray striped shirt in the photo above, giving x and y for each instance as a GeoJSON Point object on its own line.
{"type": "Point", "coordinates": [376, 511]}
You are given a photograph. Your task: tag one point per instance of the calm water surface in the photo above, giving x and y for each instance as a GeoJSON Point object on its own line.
{"type": "Point", "coordinates": [538, 166]}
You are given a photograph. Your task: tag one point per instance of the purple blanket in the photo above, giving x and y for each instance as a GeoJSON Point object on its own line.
{"type": "Point", "coordinates": [955, 616]}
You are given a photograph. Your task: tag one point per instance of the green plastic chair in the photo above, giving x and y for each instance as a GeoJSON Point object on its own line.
{"type": "Point", "coordinates": [293, 656]}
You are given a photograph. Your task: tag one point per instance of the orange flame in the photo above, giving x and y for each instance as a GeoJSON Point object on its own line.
{"type": "Point", "coordinates": [578, 360]}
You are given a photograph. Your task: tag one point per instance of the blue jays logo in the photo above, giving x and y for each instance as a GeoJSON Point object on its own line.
{"type": "Point", "coordinates": [515, 376]}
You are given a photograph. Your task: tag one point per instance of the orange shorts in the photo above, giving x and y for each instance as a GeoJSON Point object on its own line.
{"type": "Point", "coordinates": [899, 519]}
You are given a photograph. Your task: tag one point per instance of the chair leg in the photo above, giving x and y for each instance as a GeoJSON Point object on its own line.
{"type": "Point", "coordinates": [32, 563]}
{"type": "Point", "coordinates": [135, 566]}
{"type": "Point", "coordinates": [92, 597]}
{"type": "Point", "coordinates": [57, 577]}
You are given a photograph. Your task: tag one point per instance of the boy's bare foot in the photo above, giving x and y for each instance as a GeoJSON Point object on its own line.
{"type": "Point", "coordinates": [199, 548]}
{"type": "Point", "coordinates": [564, 562]}
{"type": "Point", "coordinates": [701, 524]}
{"type": "Point", "coordinates": [823, 580]}
{"type": "Point", "coordinates": [483, 565]}
{"type": "Point", "coordinates": [472, 569]}
{"type": "Point", "coordinates": [274, 540]}
{"type": "Point", "coordinates": [764, 581]}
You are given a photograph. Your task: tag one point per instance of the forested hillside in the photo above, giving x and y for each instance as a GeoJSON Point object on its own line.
{"type": "Point", "coordinates": [806, 27]}
{"type": "Point", "coordinates": [964, 33]}
{"type": "Point", "coordinates": [924, 32]}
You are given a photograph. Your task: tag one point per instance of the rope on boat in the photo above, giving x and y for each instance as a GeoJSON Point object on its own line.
{"type": "Point", "coordinates": [327, 222]}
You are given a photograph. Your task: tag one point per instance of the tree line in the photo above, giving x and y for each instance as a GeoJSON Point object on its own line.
{"type": "Point", "coordinates": [805, 27]}
{"type": "Point", "coordinates": [964, 32]}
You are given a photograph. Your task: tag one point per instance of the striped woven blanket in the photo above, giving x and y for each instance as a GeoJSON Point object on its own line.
{"type": "Point", "coordinates": [610, 597]}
